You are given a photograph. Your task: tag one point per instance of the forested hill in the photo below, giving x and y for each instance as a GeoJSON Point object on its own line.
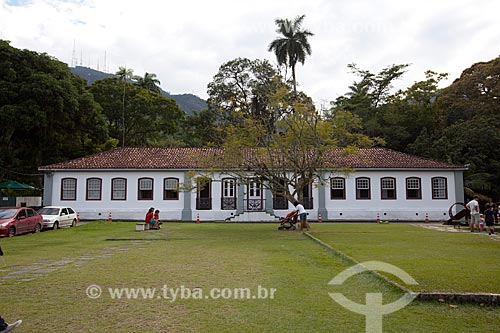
{"type": "Point", "coordinates": [187, 102]}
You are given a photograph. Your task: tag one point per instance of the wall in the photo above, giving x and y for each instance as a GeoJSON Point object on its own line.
{"type": "Point", "coordinates": [349, 209]}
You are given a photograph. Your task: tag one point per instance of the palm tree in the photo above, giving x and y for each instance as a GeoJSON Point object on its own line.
{"type": "Point", "coordinates": [124, 74]}
{"type": "Point", "coordinates": [149, 82]}
{"type": "Point", "coordinates": [292, 46]}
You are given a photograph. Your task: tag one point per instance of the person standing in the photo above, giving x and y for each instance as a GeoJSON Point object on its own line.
{"type": "Point", "coordinates": [488, 219]}
{"type": "Point", "coordinates": [473, 207]}
{"type": "Point", "coordinates": [495, 213]}
{"type": "Point", "coordinates": [299, 208]}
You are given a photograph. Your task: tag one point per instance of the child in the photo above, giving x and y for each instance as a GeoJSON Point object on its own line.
{"type": "Point", "coordinates": [495, 213]}
{"type": "Point", "coordinates": [156, 219]}
{"type": "Point", "coordinates": [488, 218]}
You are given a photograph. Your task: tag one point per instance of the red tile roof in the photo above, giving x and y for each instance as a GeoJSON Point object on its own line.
{"type": "Point", "coordinates": [196, 158]}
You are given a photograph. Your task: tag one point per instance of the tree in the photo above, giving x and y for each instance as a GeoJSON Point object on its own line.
{"type": "Point", "coordinates": [124, 74]}
{"type": "Point", "coordinates": [476, 92]}
{"type": "Point", "coordinates": [242, 89]}
{"type": "Point", "coordinates": [146, 119]}
{"type": "Point", "coordinates": [412, 113]}
{"type": "Point", "coordinates": [369, 96]}
{"type": "Point", "coordinates": [200, 130]}
{"type": "Point", "coordinates": [292, 46]}
{"type": "Point", "coordinates": [149, 82]}
{"type": "Point", "coordinates": [46, 114]}
{"type": "Point", "coordinates": [288, 159]}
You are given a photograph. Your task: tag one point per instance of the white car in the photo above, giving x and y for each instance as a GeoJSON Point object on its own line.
{"type": "Point", "coordinates": [55, 217]}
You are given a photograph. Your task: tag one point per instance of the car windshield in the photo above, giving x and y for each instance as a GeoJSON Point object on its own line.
{"type": "Point", "coordinates": [49, 211]}
{"type": "Point", "coordinates": [7, 213]}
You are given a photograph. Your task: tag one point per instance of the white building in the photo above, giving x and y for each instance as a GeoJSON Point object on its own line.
{"type": "Point", "coordinates": [126, 182]}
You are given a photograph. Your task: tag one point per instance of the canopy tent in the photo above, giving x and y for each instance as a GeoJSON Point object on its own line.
{"type": "Point", "coordinates": [13, 185]}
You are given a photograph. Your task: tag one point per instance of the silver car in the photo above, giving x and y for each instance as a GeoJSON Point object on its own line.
{"type": "Point", "coordinates": [55, 217]}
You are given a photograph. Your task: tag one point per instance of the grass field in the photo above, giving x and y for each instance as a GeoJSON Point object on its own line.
{"type": "Point", "coordinates": [44, 278]}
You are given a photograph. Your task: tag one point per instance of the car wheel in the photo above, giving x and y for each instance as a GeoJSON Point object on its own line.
{"type": "Point", "coordinates": [12, 231]}
{"type": "Point", "coordinates": [38, 228]}
{"type": "Point", "coordinates": [55, 226]}
{"type": "Point", "coordinates": [74, 223]}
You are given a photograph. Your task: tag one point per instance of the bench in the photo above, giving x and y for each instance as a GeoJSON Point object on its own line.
{"type": "Point", "coordinates": [142, 226]}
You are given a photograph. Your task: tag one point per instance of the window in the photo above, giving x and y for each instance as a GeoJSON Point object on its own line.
{"type": "Point", "coordinates": [228, 193]}
{"type": "Point", "coordinates": [94, 188]}
{"type": "Point", "coordinates": [228, 188]}
{"type": "Point", "coordinates": [171, 189]}
{"type": "Point", "coordinates": [22, 214]}
{"type": "Point", "coordinates": [145, 191]}
{"type": "Point", "coordinates": [68, 189]}
{"type": "Point", "coordinates": [388, 188]}
{"type": "Point", "coordinates": [337, 188]}
{"type": "Point", "coordinates": [363, 188]}
{"type": "Point", "coordinates": [439, 188]}
{"type": "Point", "coordinates": [413, 188]}
{"type": "Point", "coordinates": [30, 213]}
{"type": "Point", "coordinates": [118, 189]}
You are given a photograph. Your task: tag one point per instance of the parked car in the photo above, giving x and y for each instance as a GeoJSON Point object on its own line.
{"type": "Point", "coordinates": [55, 217]}
{"type": "Point", "coordinates": [19, 220]}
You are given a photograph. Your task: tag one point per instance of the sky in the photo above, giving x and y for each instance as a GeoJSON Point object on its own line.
{"type": "Point", "coordinates": [185, 42]}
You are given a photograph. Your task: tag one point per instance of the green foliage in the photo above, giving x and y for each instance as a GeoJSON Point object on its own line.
{"type": "Point", "coordinates": [149, 82]}
{"type": "Point", "coordinates": [458, 124]}
{"type": "Point", "coordinates": [46, 114]}
{"type": "Point", "coordinates": [292, 45]}
{"type": "Point", "coordinates": [139, 116]}
{"type": "Point", "coordinates": [241, 89]}
{"type": "Point", "coordinates": [289, 158]}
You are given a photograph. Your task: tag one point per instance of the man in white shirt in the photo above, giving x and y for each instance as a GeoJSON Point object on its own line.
{"type": "Point", "coordinates": [473, 207]}
{"type": "Point", "coordinates": [299, 208]}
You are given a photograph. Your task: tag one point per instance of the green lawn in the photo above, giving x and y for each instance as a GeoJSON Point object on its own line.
{"type": "Point", "coordinates": [439, 261]}
{"type": "Point", "coordinates": [44, 278]}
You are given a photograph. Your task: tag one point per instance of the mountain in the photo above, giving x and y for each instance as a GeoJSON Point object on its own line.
{"type": "Point", "coordinates": [187, 102]}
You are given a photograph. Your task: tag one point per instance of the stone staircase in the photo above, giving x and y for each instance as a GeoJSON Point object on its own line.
{"type": "Point", "coordinates": [253, 217]}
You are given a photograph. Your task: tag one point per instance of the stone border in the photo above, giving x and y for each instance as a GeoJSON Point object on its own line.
{"type": "Point", "coordinates": [476, 298]}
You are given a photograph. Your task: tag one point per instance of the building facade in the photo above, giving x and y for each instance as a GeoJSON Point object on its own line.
{"type": "Point", "coordinates": [126, 182]}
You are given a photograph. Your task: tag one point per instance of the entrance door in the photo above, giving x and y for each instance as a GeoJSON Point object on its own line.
{"type": "Point", "coordinates": [254, 196]}
{"type": "Point", "coordinates": [204, 194]}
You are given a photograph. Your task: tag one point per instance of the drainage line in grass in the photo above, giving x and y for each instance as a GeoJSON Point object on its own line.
{"type": "Point", "coordinates": [477, 298]}
{"type": "Point", "coordinates": [354, 261]}
{"type": "Point", "coordinates": [136, 239]}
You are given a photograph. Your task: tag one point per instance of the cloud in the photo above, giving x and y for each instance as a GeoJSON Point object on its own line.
{"type": "Point", "coordinates": [185, 42]}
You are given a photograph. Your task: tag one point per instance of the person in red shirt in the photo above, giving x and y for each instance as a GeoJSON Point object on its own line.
{"type": "Point", "coordinates": [149, 217]}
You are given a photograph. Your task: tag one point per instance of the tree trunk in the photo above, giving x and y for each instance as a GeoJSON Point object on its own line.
{"type": "Point", "coordinates": [294, 81]}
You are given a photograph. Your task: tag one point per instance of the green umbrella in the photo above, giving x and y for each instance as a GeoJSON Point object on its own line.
{"type": "Point", "coordinates": [13, 185]}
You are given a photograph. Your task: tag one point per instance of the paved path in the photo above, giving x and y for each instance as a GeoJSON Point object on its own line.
{"type": "Point", "coordinates": [450, 228]}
